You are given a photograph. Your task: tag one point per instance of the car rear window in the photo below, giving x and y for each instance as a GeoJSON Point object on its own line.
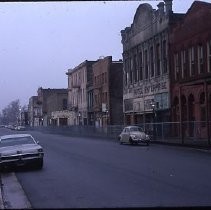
{"type": "Point", "coordinates": [16, 141]}
{"type": "Point", "coordinates": [136, 129]}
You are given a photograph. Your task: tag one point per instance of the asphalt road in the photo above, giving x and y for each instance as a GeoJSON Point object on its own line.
{"type": "Point", "coordinates": [98, 173]}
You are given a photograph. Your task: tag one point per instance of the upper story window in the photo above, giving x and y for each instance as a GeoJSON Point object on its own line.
{"type": "Point", "coordinates": [140, 73]}
{"type": "Point", "coordinates": [95, 100]}
{"type": "Point", "coordinates": [152, 62]}
{"type": "Point", "coordinates": [125, 72]}
{"type": "Point", "coordinates": [209, 56]}
{"type": "Point", "coordinates": [176, 66]}
{"type": "Point", "coordinates": [95, 80]}
{"type": "Point", "coordinates": [191, 53]}
{"type": "Point", "coordinates": [135, 68]}
{"type": "Point", "coordinates": [146, 64]}
{"type": "Point", "coordinates": [131, 70]}
{"type": "Point", "coordinates": [183, 64]}
{"type": "Point", "coordinates": [64, 104]}
{"type": "Point", "coordinates": [158, 59]}
{"type": "Point", "coordinates": [105, 77]}
{"type": "Point", "coordinates": [79, 77]}
{"type": "Point", "coordinates": [106, 96]}
{"type": "Point", "coordinates": [164, 57]}
{"type": "Point", "coordinates": [200, 59]}
{"type": "Point", "coordinates": [69, 81]}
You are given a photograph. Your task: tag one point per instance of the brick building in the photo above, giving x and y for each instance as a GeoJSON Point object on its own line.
{"type": "Point", "coordinates": [107, 92]}
{"type": "Point", "coordinates": [191, 71]}
{"type": "Point", "coordinates": [146, 82]}
{"type": "Point", "coordinates": [51, 100]}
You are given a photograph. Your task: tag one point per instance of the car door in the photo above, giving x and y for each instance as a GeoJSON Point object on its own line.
{"type": "Point", "coordinates": [126, 135]}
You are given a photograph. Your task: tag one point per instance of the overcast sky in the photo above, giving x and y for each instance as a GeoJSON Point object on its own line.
{"type": "Point", "coordinates": [40, 41]}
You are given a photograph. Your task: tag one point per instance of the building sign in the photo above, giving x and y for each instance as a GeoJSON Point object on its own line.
{"type": "Point", "coordinates": [140, 105]}
{"type": "Point", "coordinates": [155, 88]}
{"type": "Point", "coordinates": [150, 89]}
{"type": "Point", "coordinates": [140, 98]}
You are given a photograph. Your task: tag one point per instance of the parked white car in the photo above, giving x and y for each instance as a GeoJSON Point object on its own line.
{"type": "Point", "coordinates": [20, 128]}
{"type": "Point", "coordinates": [20, 149]}
{"type": "Point", "coordinates": [133, 134]}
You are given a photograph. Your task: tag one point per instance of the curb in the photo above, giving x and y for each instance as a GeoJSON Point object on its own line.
{"type": "Point", "coordinates": [13, 194]}
{"type": "Point", "coordinates": [1, 197]}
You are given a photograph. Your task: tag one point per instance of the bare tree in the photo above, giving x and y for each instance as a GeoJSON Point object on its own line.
{"type": "Point", "coordinates": [10, 114]}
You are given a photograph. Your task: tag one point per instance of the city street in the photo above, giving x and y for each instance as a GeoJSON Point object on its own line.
{"type": "Point", "coordinates": [98, 173]}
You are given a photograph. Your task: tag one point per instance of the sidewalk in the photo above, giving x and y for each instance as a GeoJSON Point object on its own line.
{"type": "Point", "coordinates": [12, 195]}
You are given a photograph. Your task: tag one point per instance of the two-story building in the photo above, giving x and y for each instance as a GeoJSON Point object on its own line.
{"type": "Point", "coordinates": [50, 100]}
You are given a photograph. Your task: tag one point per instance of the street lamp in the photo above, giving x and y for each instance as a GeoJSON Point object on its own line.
{"type": "Point", "coordinates": [154, 107]}
{"type": "Point", "coordinates": [106, 112]}
{"type": "Point", "coordinates": [79, 118]}
{"type": "Point", "coordinates": [20, 116]}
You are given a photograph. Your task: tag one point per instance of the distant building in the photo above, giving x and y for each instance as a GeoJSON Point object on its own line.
{"type": "Point", "coordinates": [24, 118]}
{"type": "Point", "coordinates": [191, 71]}
{"type": "Point", "coordinates": [107, 92]}
{"type": "Point", "coordinates": [95, 93]}
{"type": "Point", "coordinates": [80, 94]}
{"type": "Point", "coordinates": [51, 100]}
{"type": "Point", "coordinates": [146, 81]}
{"type": "Point", "coordinates": [34, 111]}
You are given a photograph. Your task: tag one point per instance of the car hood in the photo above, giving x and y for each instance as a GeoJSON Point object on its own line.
{"type": "Point", "coordinates": [23, 149]}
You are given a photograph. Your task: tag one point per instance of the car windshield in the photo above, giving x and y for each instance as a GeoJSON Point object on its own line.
{"type": "Point", "coordinates": [136, 129]}
{"type": "Point", "coordinates": [16, 141]}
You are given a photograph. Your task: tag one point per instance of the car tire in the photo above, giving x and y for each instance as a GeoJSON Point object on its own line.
{"type": "Point", "coordinates": [39, 164]}
{"type": "Point", "coordinates": [131, 141]}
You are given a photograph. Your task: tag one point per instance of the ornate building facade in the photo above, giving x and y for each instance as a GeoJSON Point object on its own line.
{"type": "Point", "coordinates": [146, 82]}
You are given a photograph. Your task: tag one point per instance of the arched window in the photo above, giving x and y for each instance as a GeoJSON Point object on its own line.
{"type": "Point", "coordinates": [184, 108]}
{"type": "Point", "coordinates": [191, 107]}
{"type": "Point", "coordinates": [202, 109]}
{"type": "Point", "coordinates": [176, 109]}
{"type": "Point", "coordinates": [184, 114]}
{"type": "Point", "coordinates": [191, 114]}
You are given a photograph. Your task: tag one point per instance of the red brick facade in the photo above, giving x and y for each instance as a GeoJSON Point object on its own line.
{"type": "Point", "coordinates": [190, 46]}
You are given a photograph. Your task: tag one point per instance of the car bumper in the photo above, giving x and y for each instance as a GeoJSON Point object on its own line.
{"type": "Point", "coordinates": [20, 160]}
{"type": "Point", "coordinates": [140, 141]}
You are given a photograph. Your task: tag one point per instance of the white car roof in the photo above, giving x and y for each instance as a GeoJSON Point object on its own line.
{"type": "Point", "coordinates": [132, 126]}
{"type": "Point", "coordinates": [14, 136]}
